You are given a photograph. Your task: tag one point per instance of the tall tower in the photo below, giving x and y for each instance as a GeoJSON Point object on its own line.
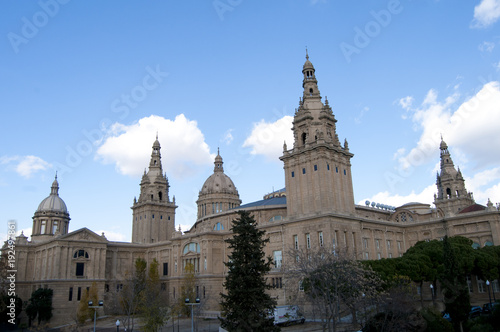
{"type": "Point", "coordinates": [452, 195]}
{"type": "Point", "coordinates": [153, 213]}
{"type": "Point", "coordinates": [51, 218]}
{"type": "Point", "coordinates": [318, 169]}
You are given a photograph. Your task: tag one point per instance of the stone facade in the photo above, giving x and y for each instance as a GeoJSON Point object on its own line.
{"type": "Point", "coordinates": [316, 208]}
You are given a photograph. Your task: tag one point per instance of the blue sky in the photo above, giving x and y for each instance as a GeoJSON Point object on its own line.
{"type": "Point", "coordinates": [85, 87]}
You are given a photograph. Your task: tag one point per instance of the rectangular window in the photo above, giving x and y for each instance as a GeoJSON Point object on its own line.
{"type": "Point", "coordinates": [494, 286]}
{"type": "Point", "coordinates": [308, 241]}
{"type": "Point", "coordinates": [303, 171]}
{"type": "Point", "coordinates": [296, 241]}
{"type": "Point", "coordinates": [377, 243]}
{"type": "Point", "coordinates": [336, 169]}
{"type": "Point", "coordinates": [344, 172]}
{"type": "Point", "coordinates": [165, 269]}
{"type": "Point", "coordinates": [379, 256]}
{"type": "Point", "coordinates": [79, 294]}
{"type": "Point", "coordinates": [293, 174]}
{"type": "Point", "coordinates": [80, 269]}
{"type": "Point", "coordinates": [70, 294]}
{"type": "Point", "coordinates": [481, 286]}
{"type": "Point", "coordinates": [54, 227]}
{"type": "Point", "coordinates": [365, 243]}
{"type": "Point", "coordinates": [367, 256]}
{"type": "Point", "coordinates": [390, 255]}
{"type": "Point", "coordinates": [315, 167]}
{"type": "Point", "coordinates": [320, 238]}
{"type": "Point", "coordinates": [399, 245]}
{"type": "Point", "coordinates": [277, 258]}
{"type": "Point", "coordinates": [388, 244]}
{"type": "Point", "coordinates": [328, 167]}
{"type": "Point", "coordinates": [469, 284]}
{"type": "Point", "coordinates": [42, 227]}
{"type": "Point", "coordinates": [301, 286]}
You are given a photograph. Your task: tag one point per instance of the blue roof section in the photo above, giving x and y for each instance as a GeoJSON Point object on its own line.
{"type": "Point", "coordinates": [264, 202]}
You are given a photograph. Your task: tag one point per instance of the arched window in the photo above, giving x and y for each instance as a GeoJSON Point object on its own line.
{"type": "Point", "coordinates": [191, 247]}
{"type": "Point", "coordinates": [304, 136]}
{"type": "Point", "coordinates": [218, 227]}
{"type": "Point", "coordinates": [81, 254]}
{"type": "Point", "coordinates": [160, 195]}
{"type": "Point", "coordinates": [448, 193]}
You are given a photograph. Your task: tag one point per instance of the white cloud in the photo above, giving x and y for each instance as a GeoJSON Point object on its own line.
{"type": "Point", "coordinates": [183, 146]}
{"type": "Point", "coordinates": [406, 102]}
{"type": "Point", "coordinates": [112, 236]}
{"type": "Point", "coordinates": [425, 196]}
{"type": "Point", "coordinates": [486, 46]}
{"type": "Point", "coordinates": [471, 128]}
{"type": "Point", "coordinates": [26, 166]}
{"type": "Point", "coordinates": [486, 13]}
{"type": "Point", "coordinates": [228, 137]}
{"type": "Point", "coordinates": [267, 138]}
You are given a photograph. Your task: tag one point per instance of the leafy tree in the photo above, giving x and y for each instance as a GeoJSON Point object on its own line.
{"type": "Point", "coordinates": [187, 290]}
{"type": "Point", "coordinates": [84, 312]}
{"type": "Point", "coordinates": [152, 305]}
{"type": "Point", "coordinates": [5, 301]}
{"type": "Point", "coordinates": [40, 305]}
{"type": "Point", "coordinates": [246, 306]}
{"type": "Point", "coordinates": [133, 291]}
{"type": "Point", "coordinates": [332, 281]}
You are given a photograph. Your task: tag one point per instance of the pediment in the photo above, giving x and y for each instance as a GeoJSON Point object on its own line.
{"type": "Point", "coordinates": [83, 234]}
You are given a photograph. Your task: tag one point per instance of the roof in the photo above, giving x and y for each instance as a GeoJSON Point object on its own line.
{"type": "Point", "coordinates": [265, 202]}
{"type": "Point", "coordinates": [473, 208]}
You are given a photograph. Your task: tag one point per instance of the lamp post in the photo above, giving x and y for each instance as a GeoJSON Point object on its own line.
{"type": "Point", "coordinates": [489, 294]}
{"type": "Point", "coordinates": [117, 325]}
{"type": "Point", "coordinates": [432, 294]}
{"type": "Point", "coordinates": [197, 302]}
{"type": "Point", "coordinates": [95, 307]}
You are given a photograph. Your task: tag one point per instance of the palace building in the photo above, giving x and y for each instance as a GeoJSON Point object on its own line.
{"type": "Point", "coordinates": [316, 208]}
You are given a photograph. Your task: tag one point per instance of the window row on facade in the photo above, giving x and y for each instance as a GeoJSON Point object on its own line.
{"type": "Point", "coordinates": [316, 167]}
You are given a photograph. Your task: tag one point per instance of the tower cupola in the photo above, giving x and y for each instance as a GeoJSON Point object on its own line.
{"type": "Point", "coordinates": [51, 217]}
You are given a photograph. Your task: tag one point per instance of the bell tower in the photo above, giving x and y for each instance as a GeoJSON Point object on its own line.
{"type": "Point", "coordinates": [317, 169]}
{"type": "Point", "coordinates": [452, 195]}
{"type": "Point", "coordinates": [153, 214]}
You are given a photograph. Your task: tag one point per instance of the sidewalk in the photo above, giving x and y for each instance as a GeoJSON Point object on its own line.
{"type": "Point", "coordinates": [108, 324]}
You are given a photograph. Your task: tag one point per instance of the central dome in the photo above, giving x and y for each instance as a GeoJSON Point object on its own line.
{"type": "Point", "coordinates": [218, 183]}
{"type": "Point", "coordinates": [218, 193]}
{"type": "Point", "coordinates": [53, 203]}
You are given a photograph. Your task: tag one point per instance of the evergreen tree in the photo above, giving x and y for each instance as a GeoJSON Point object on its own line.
{"type": "Point", "coordinates": [247, 306]}
{"type": "Point", "coordinates": [456, 293]}
{"type": "Point", "coordinates": [40, 305]}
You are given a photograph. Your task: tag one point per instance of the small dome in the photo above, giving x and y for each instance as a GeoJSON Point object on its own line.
{"type": "Point", "coordinates": [53, 202]}
{"type": "Point", "coordinates": [443, 145]}
{"type": "Point", "coordinates": [308, 64]}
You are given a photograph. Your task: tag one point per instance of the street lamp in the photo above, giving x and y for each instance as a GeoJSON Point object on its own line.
{"type": "Point", "coordinates": [95, 307]}
{"type": "Point", "coordinates": [432, 294]}
{"type": "Point", "coordinates": [186, 301]}
{"type": "Point", "coordinates": [489, 294]}
{"type": "Point", "coordinates": [117, 325]}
